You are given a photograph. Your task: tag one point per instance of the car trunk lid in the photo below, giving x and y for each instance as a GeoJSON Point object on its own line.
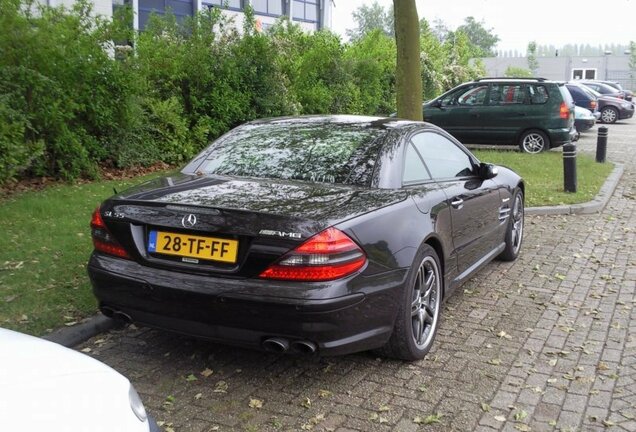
{"type": "Point", "coordinates": [231, 226]}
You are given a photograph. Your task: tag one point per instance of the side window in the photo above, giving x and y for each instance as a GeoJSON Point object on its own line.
{"type": "Point", "coordinates": [538, 94]}
{"type": "Point", "coordinates": [441, 156]}
{"type": "Point", "coordinates": [474, 95]}
{"type": "Point", "coordinates": [414, 169]}
{"type": "Point", "coordinates": [506, 94]}
{"type": "Point", "coordinates": [451, 98]}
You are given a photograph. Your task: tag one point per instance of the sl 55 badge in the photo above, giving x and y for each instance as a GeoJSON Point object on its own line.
{"type": "Point", "coordinates": [280, 234]}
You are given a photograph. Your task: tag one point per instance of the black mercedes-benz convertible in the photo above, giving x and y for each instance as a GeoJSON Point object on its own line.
{"type": "Point", "coordinates": [319, 234]}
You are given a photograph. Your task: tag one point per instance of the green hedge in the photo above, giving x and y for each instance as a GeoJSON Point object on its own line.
{"type": "Point", "coordinates": [71, 99]}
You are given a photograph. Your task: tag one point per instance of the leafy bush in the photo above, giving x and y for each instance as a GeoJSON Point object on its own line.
{"type": "Point", "coordinates": [55, 65]}
{"type": "Point", "coordinates": [75, 95]}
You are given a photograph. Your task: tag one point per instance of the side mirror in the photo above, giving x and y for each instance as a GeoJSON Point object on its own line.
{"type": "Point", "coordinates": [487, 171]}
{"type": "Point", "coordinates": [436, 103]}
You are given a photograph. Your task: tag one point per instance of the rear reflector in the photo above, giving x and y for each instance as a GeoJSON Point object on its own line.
{"type": "Point", "coordinates": [103, 241]}
{"type": "Point", "coordinates": [564, 111]}
{"type": "Point", "coordinates": [328, 255]}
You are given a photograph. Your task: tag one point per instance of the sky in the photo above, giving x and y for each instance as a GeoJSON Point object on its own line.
{"type": "Point", "coordinates": [548, 22]}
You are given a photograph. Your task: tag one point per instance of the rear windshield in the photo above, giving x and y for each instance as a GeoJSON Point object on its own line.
{"type": "Point", "coordinates": [310, 151]}
{"type": "Point", "coordinates": [567, 97]}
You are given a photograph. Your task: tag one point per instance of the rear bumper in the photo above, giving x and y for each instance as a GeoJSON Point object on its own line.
{"type": "Point", "coordinates": [561, 136]}
{"type": "Point", "coordinates": [340, 317]}
{"type": "Point", "coordinates": [583, 125]}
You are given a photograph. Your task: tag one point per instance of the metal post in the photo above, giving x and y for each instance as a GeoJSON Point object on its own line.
{"type": "Point", "coordinates": [601, 144]}
{"type": "Point", "coordinates": [569, 167]}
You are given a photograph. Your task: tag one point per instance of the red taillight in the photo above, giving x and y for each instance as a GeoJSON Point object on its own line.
{"type": "Point", "coordinates": [102, 238]}
{"type": "Point", "coordinates": [328, 255]}
{"type": "Point", "coordinates": [593, 105]}
{"type": "Point", "coordinates": [564, 111]}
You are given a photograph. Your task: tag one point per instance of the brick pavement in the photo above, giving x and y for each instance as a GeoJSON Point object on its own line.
{"type": "Point", "coordinates": [545, 343]}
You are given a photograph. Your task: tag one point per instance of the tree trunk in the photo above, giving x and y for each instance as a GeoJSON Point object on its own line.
{"type": "Point", "coordinates": [408, 75]}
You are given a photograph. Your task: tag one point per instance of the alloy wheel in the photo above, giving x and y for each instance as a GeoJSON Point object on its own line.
{"type": "Point", "coordinates": [517, 223]}
{"type": "Point", "coordinates": [533, 143]}
{"type": "Point", "coordinates": [608, 115]}
{"type": "Point", "coordinates": [425, 302]}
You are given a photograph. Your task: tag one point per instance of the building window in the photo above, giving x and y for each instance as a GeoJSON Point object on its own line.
{"type": "Point", "coordinates": [229, 4]}
{"type": "Point", "coordinates": [588, 74]}
{"type": "Point", "coordinates": [306, 10]}
{"type": "Point", "coordinates": [268, 7]}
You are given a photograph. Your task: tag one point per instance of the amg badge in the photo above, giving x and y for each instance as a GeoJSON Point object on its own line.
{"type": "Point", "coordinates": [280, 234]}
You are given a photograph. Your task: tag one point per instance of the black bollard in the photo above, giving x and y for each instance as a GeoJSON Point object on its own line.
{"type": "Point", "coordinates": [569, 167]}
{"type": "Point", "coordinates": [601, 145]}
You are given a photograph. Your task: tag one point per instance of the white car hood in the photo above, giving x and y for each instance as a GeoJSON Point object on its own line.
{"type": "Point", "coordinates": [44, 386]}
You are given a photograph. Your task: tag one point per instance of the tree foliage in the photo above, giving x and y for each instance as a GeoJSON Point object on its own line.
{"type": "Point", "coordinates": [448, 63]}
{"type": "Point", "coordinates": [482, 38]}
{"type": "Point", "coordinates": [370, 18]}
{"type": "Point", "coordinates": [533, 63]}
{"type": "Point", "coordinates": [518, 72]}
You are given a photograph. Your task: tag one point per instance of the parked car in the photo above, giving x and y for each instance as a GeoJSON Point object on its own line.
{"type": "Point", "coordinates": [535, 114]}
{"type": "Point", "coordinates": [584, 119]}
{"type": "Point", "coordinates": [604, 89]}
{"type": "Point", "coordinates": [628, 93]}
{"type": "Point", "coordinates": [46, 387]}
{"type": "Point", "coordinates": [582, 96]}
{"type": "Point", "coordinates": [611, 108]}
{"type": "Point", "coordinates": [319, 234]}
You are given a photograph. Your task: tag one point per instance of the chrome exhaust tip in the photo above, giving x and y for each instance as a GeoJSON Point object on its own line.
{"type": "Point", "coordinates": [276, 344]}
{"type": "Point", "coordinates": [121, 316]}
{"type": "Point", "coordinates": [304, 347]}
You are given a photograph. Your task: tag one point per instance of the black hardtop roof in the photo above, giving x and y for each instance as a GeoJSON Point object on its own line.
{"type": "Point", "coordinates": [340, 119]}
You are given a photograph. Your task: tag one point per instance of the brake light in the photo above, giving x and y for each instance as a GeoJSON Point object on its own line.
{"type": "Point", "coordinates": [328, 255]}
{"type": "Point", "coordinates": [103, 239]}
{"type": "Point", "coordinates": [564, 111]}
{"type": "Point", "coordinates": [593, 105]}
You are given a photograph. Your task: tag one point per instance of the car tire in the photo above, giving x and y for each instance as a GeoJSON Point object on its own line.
{"type": "Point", "coordinates": [534, 141]}
{"type": "Point", "coordinates": [609, 115]}
{"type": "Point", "coordinates": [514, 231]}
{"type": "Point", "coordinates": [419, 310]}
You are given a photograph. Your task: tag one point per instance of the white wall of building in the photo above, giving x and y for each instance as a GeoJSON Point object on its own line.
{"type": "Point", "coordinates": [100, 7]}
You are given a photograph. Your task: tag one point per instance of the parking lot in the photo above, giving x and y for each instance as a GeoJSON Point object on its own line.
{"type": "Point", "coordinates": [547, 342]}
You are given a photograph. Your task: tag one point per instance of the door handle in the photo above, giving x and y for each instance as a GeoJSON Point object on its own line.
{"type": "Point", "coordinates": [521, 114]}
{"type": "Point", "coordinates": [458, 203]}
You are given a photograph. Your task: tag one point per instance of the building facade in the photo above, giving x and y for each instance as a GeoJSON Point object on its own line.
{"type": "Point", "coordinates": [611, 67]}
{"type": "Point", "coordinates": [311, 15]}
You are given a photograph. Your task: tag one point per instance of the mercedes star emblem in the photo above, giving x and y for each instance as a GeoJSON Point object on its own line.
{"type": "Point", "coordinates": [189, 221]}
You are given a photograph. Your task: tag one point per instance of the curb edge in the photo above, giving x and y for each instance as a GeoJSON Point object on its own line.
{"type": "Point", "coordinates": [594, 206]}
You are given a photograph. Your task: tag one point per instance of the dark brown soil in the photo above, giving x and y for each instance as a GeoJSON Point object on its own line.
{"type": "Point", "coordinates": [106, 173]}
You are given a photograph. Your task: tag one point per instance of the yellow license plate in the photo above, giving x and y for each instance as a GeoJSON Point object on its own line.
{"type": "Point", "coordinates": [191, 246]}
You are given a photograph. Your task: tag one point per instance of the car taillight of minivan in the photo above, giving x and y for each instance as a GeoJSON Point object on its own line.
{"type": "Point", "coordinates": [564, 111]}
{"type": "Point", "coordinates": [592, 105]}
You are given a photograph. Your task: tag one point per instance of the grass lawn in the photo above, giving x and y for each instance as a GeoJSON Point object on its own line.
{"type": "Point", "coordinates": [543, 174]}
{"type": "Point", "coordinates": [45, 241]}
{"type": "Point", "coordinates": [44, 247]}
